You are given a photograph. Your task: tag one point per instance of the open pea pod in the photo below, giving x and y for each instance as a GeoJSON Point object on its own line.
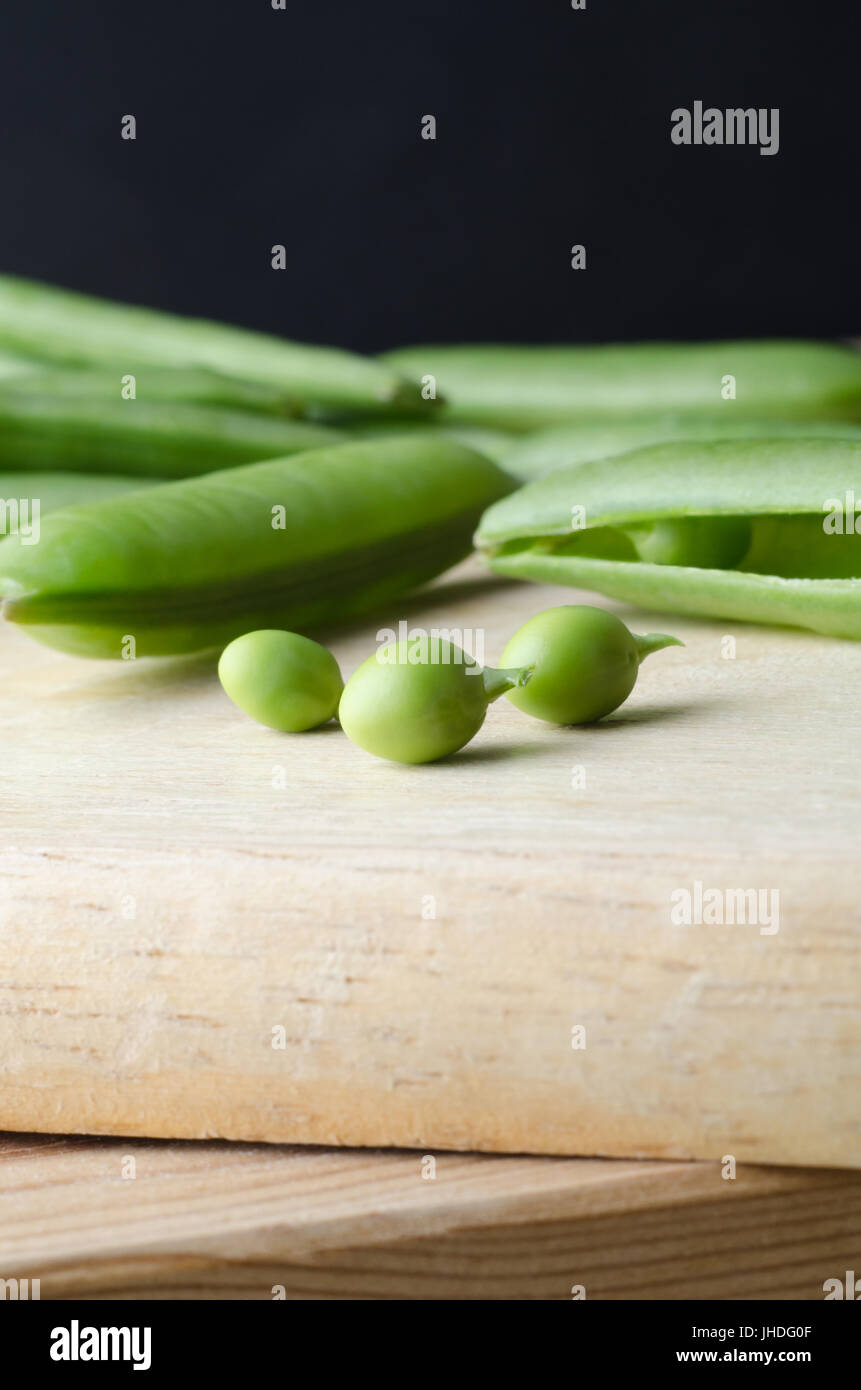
{"type": "Point", "coordinates": [761, 530]}
{"type": "Point", "coordinates": [58, 325]}
{"type": "Point", "coordinates": [530, 387]}
{"type": "Point", "coordinates": [293, 543]}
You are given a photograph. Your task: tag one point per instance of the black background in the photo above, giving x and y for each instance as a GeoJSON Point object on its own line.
{"type": "Point", "coordinates": [257, 126]}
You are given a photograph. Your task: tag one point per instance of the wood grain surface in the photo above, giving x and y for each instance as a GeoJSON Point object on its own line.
{"type": "Point", "coordinates": [146, 1219]}
{"type": "Point", "coordinates": [182, 888]}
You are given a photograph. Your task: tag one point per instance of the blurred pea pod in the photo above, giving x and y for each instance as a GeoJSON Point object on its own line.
{"type": "Point", "coordinates": [57, 325]}
{"type": "Point", "coordinates": [20, 492]}
{"type": "Point", "coordinates": [761, 530]}
{"type": "Point", "coordinates": [544, 451]}
{"type": "Point", "coordinates": [161, 438]}
{"type": "Point", "coordinates": [13, 367]}
{"type": "Point", "coordinates": [293, 543]}
{"type": "Point", "coordinates": [190, 385]}
{"type": "Point", "coordinates": [530, 387]}
{"type": "Point", "coordinates": [495, 444]}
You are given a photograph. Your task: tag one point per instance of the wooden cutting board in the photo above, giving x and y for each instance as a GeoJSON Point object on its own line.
{"type": "Point", "coordinates": [182, 889]}
{"type": "Point", "coordinates": [119, 1218]}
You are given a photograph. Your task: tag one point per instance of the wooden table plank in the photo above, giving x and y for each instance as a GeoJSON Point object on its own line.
{"type": "Point", "coordinates": [178, 882]}
{"type": "Point", "coordinates": [216, 1220]}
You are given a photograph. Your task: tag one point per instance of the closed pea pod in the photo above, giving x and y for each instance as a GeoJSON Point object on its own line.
{"type": "Point", "coordinates": [292, 543]}
{"type": "Point", "coordinates": [163, 439]}
{"type": "Point", "coordinates": [585, 663]}
{"type": "Point", "coordinates": [60, 326]}
{"type": "Point", "coordinates": [188, 385]}
{"type": "Point", "coordinates": [525, 388]}
{"type": "Point", "coordinates": [34, 495]}
{"type": "Point", "coordinates": [420, 699]}
{"type": "Point", "coordinates": [543, 451]}
{"type": "Point", "coordinates": [494, 444]}
{"type": "Point", "coordinates": [281, 679]}
{"type": "Point", "coordinates": [14, 366]}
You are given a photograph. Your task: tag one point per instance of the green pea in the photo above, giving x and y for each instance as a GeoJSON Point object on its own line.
{"type": "Point", "coordinates": [281, 679]}
{"type": "Point", "coordinates": [419, 699]}
{"type": "Point", "coordinates": [706, 542]}
{"type": "Point", "coordinates": [585, 661]}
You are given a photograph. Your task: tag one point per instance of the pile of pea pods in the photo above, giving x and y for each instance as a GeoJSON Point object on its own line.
{"type": "Point", "coordinates": [179, 484]}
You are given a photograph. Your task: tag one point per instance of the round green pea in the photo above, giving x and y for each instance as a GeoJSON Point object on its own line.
{"type": "Point", "coordinates": [419, 699]}
{"type": "Point", "coordinates": [706, 542]}
{"type": "Point", "coordinates": [585, 659]}
{"type": "Point", "coordinates": [281, 679]}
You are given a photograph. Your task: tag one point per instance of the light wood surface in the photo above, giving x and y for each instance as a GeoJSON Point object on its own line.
{"type": "Point", "coordinates": [179, 882]}
{"type": "Point", "coordinates": [142, 1219]}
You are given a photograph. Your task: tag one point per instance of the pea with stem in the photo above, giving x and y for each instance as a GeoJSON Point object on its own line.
{"type": "Point", "coordinates": [586, 663]}
{"type": "Point", "coordinates": [419, 699]}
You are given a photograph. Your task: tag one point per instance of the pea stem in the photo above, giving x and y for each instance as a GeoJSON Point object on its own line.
{"type": "Point", "coordinates": [496, 681]}
{"type": "Point", "coordinates": [653, 642]}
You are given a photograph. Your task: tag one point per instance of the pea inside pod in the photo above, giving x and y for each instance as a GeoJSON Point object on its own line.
{"type": "Point", "coordinates": [419, 699]}
{"type": "Point", "coordinates": [709, 542]}
{"type": "Point", "coordinates": [585, 663]}
{"type": "Point", "coordinates": [281, 679]}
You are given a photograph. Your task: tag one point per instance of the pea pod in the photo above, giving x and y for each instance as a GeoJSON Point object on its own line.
{"type": "Point", "coordinates": [585, 526]}
{"type": "Point", "coordinates": [292, 543]}
{"type": "Point", "coordinates": [530, 387]}
{"type": "Point", "coordinates": [192, 385]}
{"type": "Point", "coordinates": [544, 451]}
{"type": "Point", "coordinates": [158, 438]}
{"type": "Point", "coordinates": [496, 444]}
{"type": "Point", "coordinates": [52, 491]}
{"type": "Point", "coordinates": [12, 366]}
{"type": "Point", "coordinates": [57, 325]}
